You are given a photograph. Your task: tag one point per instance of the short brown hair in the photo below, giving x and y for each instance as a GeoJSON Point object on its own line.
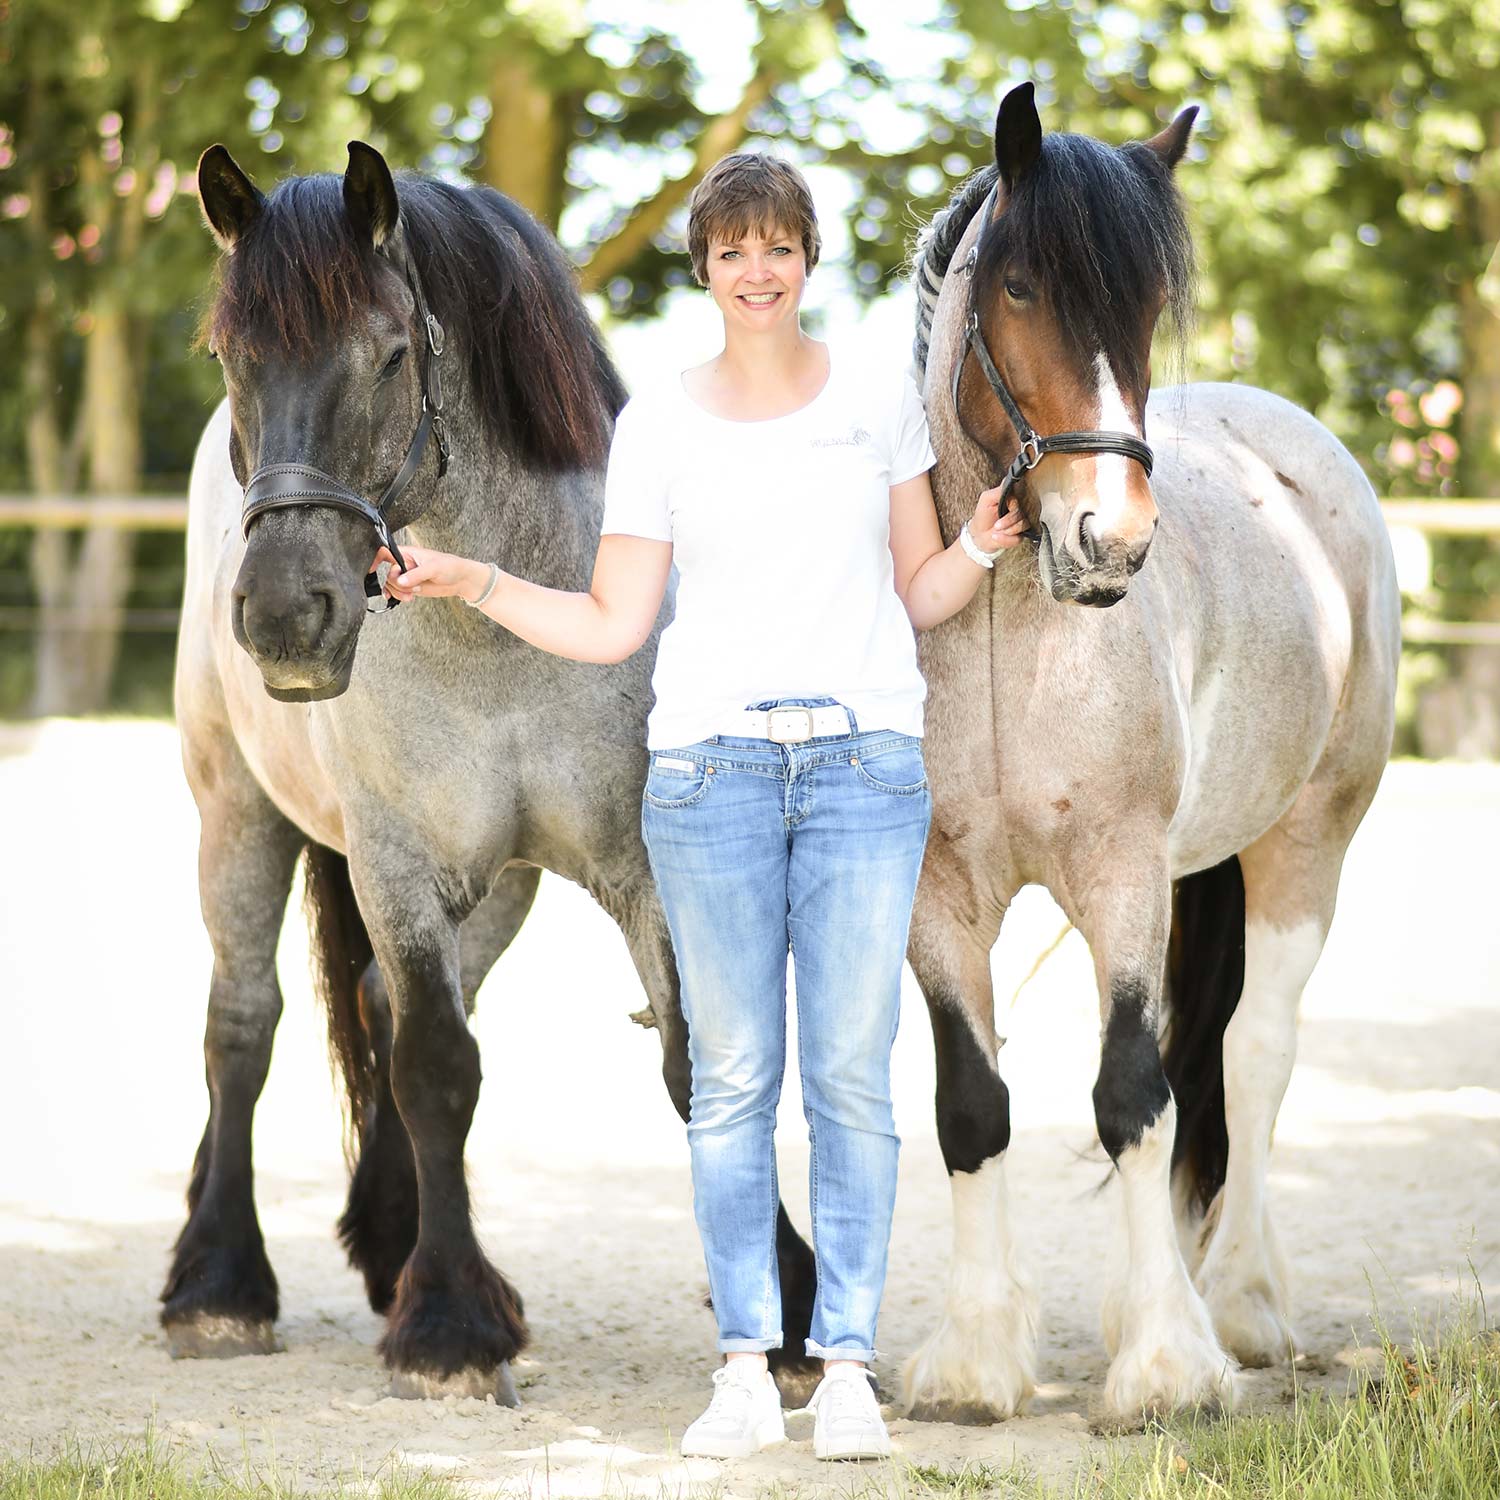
{"type": "Point", "coordinates": [750, 191]}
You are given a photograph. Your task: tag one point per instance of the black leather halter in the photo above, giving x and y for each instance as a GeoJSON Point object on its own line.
{"type": "Point", "coordinates": [277, 486]}
{"type": "Point", "coordinates": [1034, 448]}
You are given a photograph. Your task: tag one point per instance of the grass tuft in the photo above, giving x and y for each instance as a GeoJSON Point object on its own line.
{"type": "Point", "coordinates": [143, 1472]}
{"type": "Point", "coordinates": [1424, 1425]}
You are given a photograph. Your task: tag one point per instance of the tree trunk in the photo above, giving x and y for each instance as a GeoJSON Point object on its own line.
{"type": "Point", "coordinates": [1460, 716]}
{"type": "Point", "coordinates": [82, 604]}
{"type": "Point", "coordinates": [83, 599]}
{"type": "Point", "coordinates": [525, 150]}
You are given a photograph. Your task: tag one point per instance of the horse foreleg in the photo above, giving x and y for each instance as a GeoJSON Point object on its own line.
{"type": "Point", "coordinates": [1155, 1323]}
{"type": "Point", "coordinates": [979, 1364]}
{"type": "Point", "coordinates": [220, 1297]}
{"type": "Point", "coordinates": [378, 1227]}
{"type": "Point", "coordinates": [454, 1324]}
{"type": "Point", "coordinates": [645, 927]}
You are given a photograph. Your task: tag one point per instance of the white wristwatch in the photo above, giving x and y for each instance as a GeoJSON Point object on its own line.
{"type": "Point", "coordinates": [973, 550]}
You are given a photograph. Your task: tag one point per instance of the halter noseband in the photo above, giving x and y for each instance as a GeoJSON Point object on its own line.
{"type": "Point", "coordinates": [278, 486]}
{"type": "Point", "coordinates": [1034, 448]}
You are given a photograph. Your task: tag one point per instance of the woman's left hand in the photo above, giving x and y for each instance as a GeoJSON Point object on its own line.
{"type": "Point", "coordinates": [992, 531]}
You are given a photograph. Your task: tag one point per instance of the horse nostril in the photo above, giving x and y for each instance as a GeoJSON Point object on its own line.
{"type": "Point", "coordinates": [1087, 544]}
{"type": "Point", "coordinates": [318, 616]}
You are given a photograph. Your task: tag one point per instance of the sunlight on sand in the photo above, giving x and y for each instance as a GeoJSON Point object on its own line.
{"type": "Point", "coordinates": [1387, 1152]}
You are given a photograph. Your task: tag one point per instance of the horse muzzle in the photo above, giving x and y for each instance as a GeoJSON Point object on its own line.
{"type": "Point", "coordinates": [300, 635]}
{"type": "Point", "coordinates": [1098, 583]}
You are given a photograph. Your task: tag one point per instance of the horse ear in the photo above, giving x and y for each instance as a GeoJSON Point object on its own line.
{"type": "Point", "coordinates": [231, 202]}
{"type": "Point", "coordinates": [370, 194]}
{"type": "Point", "coordinates": [1018, 134]}
{"type": "Point", "coordinates": [1171, 143]}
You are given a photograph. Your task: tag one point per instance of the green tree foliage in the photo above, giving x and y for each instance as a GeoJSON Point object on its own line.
{"type": "Point", "coordinates": [1344, 181]}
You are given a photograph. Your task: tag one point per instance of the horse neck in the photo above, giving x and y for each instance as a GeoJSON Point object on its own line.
{"type": "Point", "coordinates": [543, 527]}
{"type": "Point", "coordinates": [962, 473]}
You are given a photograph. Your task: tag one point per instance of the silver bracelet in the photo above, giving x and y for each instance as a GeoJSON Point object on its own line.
{"type": "Point", "coordinates": [973, 550]}
{"type": "Point", "coordinates": [489, 588]}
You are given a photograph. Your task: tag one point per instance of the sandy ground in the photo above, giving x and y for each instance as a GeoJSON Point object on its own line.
{"type": "Point", "coordinates": [1386, 1181]}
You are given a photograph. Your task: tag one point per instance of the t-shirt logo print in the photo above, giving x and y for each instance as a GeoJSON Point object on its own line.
{"type": "Point", "coordinates": [856, 437]}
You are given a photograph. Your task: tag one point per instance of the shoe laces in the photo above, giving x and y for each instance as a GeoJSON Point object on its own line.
{"type": "Point", "coordinates": [731, 1392]}
{"type": "Point", "coordinates": [843, 1396]}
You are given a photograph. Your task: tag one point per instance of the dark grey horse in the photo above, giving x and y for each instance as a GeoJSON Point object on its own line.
{"type": "Point", "coordinates": [432, 773]}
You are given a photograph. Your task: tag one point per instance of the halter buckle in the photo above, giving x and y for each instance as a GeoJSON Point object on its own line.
{"type": "Point", "coordinates": [437, 340]}
{"type": "Point", "coordinates": [1027, 459]}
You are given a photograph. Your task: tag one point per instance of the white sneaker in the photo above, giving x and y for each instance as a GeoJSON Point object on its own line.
{"type": "Point", "coordinates": [743, 1417]}
{"type": "Point", "coordinates": [848, 1421]}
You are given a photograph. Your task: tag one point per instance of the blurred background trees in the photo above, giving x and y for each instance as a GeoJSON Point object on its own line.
{"type": "Point", "coordinates": [1344, 184]}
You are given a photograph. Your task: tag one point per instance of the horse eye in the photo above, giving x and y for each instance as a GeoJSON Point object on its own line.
{"type": "Point", "coordinates": [394, 362]}
{"type": "Point", "coordinates": [1018, 291]}
{"type": "Point", "coordinates": [213, 354]}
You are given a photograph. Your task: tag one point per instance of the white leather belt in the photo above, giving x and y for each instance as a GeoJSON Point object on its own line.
{"type": "Point", "coordinates": [788, 726]}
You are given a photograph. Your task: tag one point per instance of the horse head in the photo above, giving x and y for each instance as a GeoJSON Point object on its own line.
{"type": "Point", "coordinates": [322, 330]}
{"type": "Point", "coordinates": [1077, 250]}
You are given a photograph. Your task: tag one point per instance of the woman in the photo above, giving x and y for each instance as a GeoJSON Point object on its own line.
{"type": "Point", "coordinates": [786, 806]}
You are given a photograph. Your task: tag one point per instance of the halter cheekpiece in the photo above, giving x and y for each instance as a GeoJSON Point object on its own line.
{"type": "Point", "coordinates": [279, 486]}
{"type": "Point", "coordinates": [1034, 448]}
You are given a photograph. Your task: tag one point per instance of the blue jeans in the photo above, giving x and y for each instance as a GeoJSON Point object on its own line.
{"type": "Point", "coordinates": [759, 848]}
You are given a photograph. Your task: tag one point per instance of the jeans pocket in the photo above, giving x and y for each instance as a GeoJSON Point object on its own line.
{"type": "Point", "coordinates": [676, 779]}
{"type": "Point", "coordinates": [896, 768]}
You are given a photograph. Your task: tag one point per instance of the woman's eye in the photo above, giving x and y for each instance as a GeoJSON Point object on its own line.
{"type": "Point", "coordinates": [393, 363]}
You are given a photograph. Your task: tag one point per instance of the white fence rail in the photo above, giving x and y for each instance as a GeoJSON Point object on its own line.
{"type": "Point", "coordinates": [169, 513]}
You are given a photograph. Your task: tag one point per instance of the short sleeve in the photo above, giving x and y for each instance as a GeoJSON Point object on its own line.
{"type": "Point", "coordinates": [635, 492]}
{"type": "Point", "coordinates": [911, 447]}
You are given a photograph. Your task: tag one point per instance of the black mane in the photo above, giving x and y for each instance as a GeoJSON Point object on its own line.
{"type": "Point", "coordinates": [539, 376]}
{"type": "Point", "coordinates": [1102, 234]}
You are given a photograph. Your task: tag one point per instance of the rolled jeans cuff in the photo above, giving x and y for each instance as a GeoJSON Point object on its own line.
{"type": "Point", "coordinates": [864, 1356]}
{"type": "Point", "coordinates": [748, 1346]}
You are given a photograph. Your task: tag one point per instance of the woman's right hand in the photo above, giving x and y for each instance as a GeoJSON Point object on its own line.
{"type": "Point", "coordinates": [433, 575]}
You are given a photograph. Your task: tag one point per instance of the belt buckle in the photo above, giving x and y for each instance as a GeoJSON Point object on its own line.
{"type": "Point", "coordinates": [789, 739]}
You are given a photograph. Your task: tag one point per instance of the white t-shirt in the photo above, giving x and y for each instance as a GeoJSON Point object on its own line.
{"type": "Point", "coordinates": [780, 533]}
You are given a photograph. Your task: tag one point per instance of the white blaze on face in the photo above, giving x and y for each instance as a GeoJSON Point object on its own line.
{"type": "Point", "coordinates": [1111, 470]}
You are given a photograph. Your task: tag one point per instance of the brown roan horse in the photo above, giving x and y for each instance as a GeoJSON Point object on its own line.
{"type": "Point", "coordinates": [1182, 770]}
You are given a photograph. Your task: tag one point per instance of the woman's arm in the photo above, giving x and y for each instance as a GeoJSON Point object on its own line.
{"type": "Point", "coordinates": [607, 624]}
{"type": "Point", "coordinates": [935, 582]}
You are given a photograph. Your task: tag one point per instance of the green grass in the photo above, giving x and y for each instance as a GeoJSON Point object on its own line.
{"type": "Point", "coordinates": [141, 1472]}
{"type": "Point", "coordinates": [1424, 1425]}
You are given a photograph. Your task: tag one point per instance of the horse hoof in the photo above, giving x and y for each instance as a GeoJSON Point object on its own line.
{"type": "Point", "coordinates": [978, 1369]}
{"type": "Point", "coordinates": [1146, 1381]}
{"type": "Point", "coordinates": [217, 1336]}
{"type": "Point", "coordinates": [1251, 1326]}
{"type": "Point", "coordinates": [960, 1413]}
{"type": "Point", "coordinates": [421, 1385]}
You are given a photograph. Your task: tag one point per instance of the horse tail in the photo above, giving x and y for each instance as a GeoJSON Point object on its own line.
{"type": "Point", "coordinates": [1205, 974]}
{"type": "Point", "coordinates": [341, 952]}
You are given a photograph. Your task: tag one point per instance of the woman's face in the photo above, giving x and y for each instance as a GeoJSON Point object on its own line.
{"type": "Point", "coordinates": [757, 281]}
